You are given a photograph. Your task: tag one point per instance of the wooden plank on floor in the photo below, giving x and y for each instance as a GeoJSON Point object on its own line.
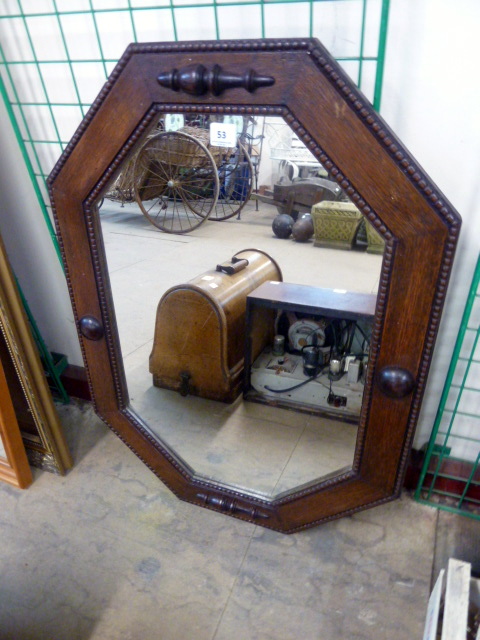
{"type": "Point", "coordinates": [475, 602]}
{"type": "Point", "coordinates": [456, 600]}
{"type": "Point", "coordinates": [433, 610]}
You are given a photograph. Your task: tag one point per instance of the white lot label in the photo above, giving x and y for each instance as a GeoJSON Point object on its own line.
{"type": "Point", "coordinates": [223, 135]}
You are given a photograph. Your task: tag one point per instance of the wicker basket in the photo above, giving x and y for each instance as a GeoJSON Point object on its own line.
{"type": "Point", "coordinates": [122, 188]}
{"type": "Point", "coordinates": [180, 152]}
{"type": "Point", "coordinates": [177, 151]}
{"type": "Point", "coordinates": [335, 224]}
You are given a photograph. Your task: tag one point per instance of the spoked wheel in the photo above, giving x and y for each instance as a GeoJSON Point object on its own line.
{"type": "Point", "coordinates": [235, 176]}
{"type": "Point", "coordinates": [236, 182]}
{"type": "Point", "coordinates": [176, 182]}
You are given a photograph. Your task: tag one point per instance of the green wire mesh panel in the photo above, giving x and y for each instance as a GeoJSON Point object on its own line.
{"type": "Point", "coordinates": [450, 478]}
{"type": "Point", "coordinates": [55, 55]}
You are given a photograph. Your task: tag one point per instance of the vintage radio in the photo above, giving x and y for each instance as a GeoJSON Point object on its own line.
{"type": "Point", "coordinates": [199, 336]}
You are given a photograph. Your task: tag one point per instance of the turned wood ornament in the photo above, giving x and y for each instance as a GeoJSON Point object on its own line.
{"type": "Point", "coordinates": [197, 80]}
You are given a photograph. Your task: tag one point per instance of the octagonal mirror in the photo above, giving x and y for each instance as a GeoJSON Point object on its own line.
{"type": "Point", "coordinates": [257, 269]}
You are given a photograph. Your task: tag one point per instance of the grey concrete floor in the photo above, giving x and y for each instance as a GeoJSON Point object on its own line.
{"type": "Point", "coordinates": [107, 552]}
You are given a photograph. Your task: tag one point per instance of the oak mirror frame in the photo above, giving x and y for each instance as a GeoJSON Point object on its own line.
{"type": "Point", "coordinates": [299, 81]}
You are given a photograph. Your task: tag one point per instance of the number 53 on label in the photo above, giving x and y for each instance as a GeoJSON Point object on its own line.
{"type": "Point", "coordinates": [223, 135]}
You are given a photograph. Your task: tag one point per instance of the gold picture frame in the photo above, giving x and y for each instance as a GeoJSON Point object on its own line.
{"type": "Point", "coordinates": [35, 411]}
{"type": "Point", "coordinates": [14, 467]}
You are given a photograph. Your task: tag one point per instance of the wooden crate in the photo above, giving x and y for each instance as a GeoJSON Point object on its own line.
{"type": "Point", "coordinates": [453, 611]}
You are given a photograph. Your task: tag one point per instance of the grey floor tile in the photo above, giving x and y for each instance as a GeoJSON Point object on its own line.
{"type": "Point", "coordinates": [362, 577]}
{"type": "Point", "coordinates": [458, 537]}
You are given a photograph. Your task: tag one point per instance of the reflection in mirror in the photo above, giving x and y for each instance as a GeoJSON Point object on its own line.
{"type": "Point", "coordinates": [295, 303]}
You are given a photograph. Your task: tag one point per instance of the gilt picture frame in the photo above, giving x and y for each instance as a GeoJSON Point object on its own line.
{"type": "Point", "coordinates": [14, 467]}
{"type": "Point", "coordinates": [38, 420]}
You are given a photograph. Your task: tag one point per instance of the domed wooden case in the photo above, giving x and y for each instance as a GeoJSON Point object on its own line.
{"type": "Point", "coordinates": [199, 337]}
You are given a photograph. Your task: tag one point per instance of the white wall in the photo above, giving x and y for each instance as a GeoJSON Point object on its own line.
{"type": "Point", "coordinates": [31, 250]}
{"type": "Point", "coordinates": [431, 100]}
{"type": "Point", "coordinates": [431, 96]}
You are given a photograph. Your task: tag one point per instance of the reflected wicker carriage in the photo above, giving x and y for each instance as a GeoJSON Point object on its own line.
{"type": "Point", "coordinates": [179, 180]}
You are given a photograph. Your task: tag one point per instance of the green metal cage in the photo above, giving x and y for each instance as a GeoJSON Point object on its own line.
{"type": "Point", "coordinates": [450, 477]}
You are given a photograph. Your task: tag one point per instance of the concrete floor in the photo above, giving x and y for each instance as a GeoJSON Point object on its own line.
{"type": "Point", "coordinates": [108, 553]}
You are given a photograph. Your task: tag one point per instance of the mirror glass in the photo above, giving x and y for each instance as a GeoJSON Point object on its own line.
{"type": "Point", "coordinates": [197, 192]}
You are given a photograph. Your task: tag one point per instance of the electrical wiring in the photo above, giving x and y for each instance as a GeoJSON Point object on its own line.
{"type": "Point", "coordinates": [301, 384]}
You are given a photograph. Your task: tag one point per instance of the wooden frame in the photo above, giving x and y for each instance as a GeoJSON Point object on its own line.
{"type": "Point", "coordinates": [297, 80]}
{"type": "Point", "coordinates": [44, 439]}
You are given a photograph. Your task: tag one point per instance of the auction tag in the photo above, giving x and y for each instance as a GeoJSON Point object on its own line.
{"type": "Point", "coordinates": [223, 134]}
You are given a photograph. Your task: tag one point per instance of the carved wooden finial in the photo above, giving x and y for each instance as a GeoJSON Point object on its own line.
{"type": "Point", "coordinates": [197, 80]}
{"type": "Point", "coordinates": [231, 505]}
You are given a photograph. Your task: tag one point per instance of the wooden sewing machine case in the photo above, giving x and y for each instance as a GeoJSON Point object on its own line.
{"type": "Point", "coordinates": [199, 336]}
